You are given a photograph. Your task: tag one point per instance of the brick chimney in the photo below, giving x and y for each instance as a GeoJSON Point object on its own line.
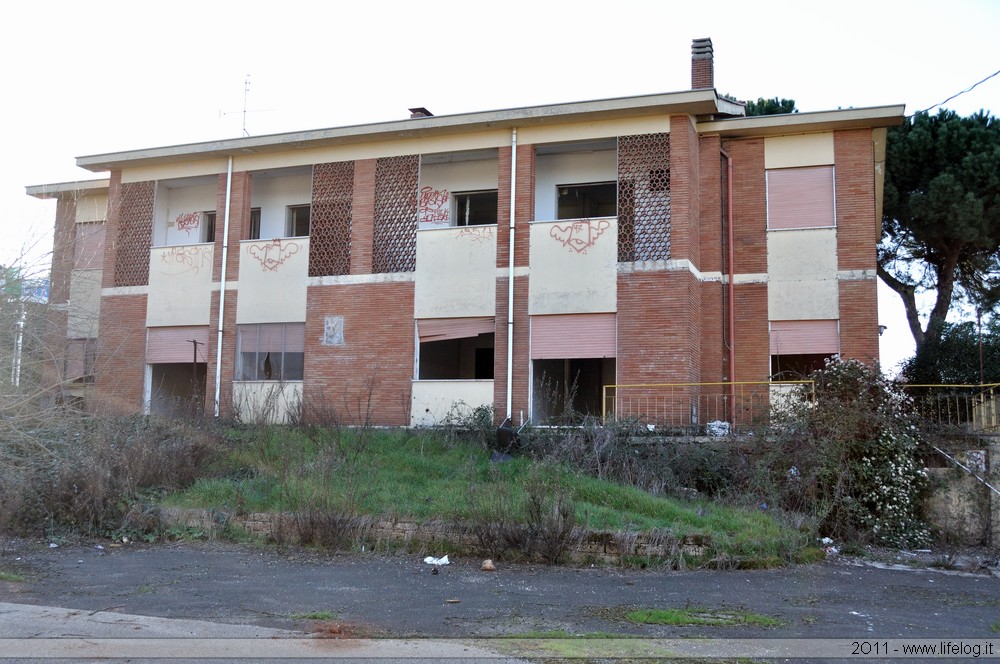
{"type": "Point", "coordinates": [702, 64]}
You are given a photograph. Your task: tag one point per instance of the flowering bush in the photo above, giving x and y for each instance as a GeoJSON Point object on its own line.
{"type": "Point", "coordinates": [855, 455]}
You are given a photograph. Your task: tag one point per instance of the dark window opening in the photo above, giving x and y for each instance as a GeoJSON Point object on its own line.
{"type": "Point", "coordinates": [475, 208]}
{"type": "Point", "coordinates": [797, 367]}
{"type": "Point", "coordinates": [565, 391]}
{"type": "Point", "coordinates": [298, 220]}
{"type": "Point", "coordinates": [583, 201]}
{"type": "Point", "coordinates": [254, 224]}
{"type": "Point", "coordinates": [468, 358]}
{"type": "Point", "coordinates": [209, 227]}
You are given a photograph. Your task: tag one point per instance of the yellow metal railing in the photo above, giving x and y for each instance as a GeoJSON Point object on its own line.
{"type": "Point", "coordinates": [972, 408]}
{"type": "Point", "coordinates": [694, 406]}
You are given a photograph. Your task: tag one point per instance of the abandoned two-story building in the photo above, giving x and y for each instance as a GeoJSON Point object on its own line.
{"type": "Point", "coordinates": [399, 270]}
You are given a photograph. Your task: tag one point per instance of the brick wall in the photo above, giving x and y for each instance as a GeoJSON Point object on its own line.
{"type": "Point", "coordinates": [685, 186]}
{"type": "Point", "coordinates": [362, 216]}
{"type": "Point", "coordinates": [524, 212]}
{"type": "Point", "coordinates": [749, 205]}
{"type": "Point", "coordinates": [751, 347]}
{"type": "Point", "coordinates": [712, 173]}
{"type": "Point", "coordinates": [228, 355]}
{"type": "Point", "coordinates": [859, 320]}
{"type": "Point", "coordinates": [111, 229]}
{"type": "Point", "coordinates": [120, 365]}
{"type": "Point", "coordinates": [522, 361]}
{"type": "Point", "coordinates": [375, 361]}
{"type": "Point", "coordinates": [239, 223]}
{"type": "Point", "coordinates": [857, 226]}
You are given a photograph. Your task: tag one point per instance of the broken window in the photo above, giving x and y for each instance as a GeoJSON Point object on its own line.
{"type": "Point", "coordinates": [799, 347]}
{"type": "Point", "coordinates": [81, 356]}
{"type": "Point", "coordinates": [566, 390]}
{"type": "Point", "coordinates": [208, 232]}
{"type": "Point", "coordinates": [270, 351]}
{"type": "Point", "coordinates": [583, 201]}
{"type": "Point", "coordinates": [475, 208]}
{"type": "Point", "coordinates": [456, 348]}
{"type": "Point", "coordinates": [298, 221]}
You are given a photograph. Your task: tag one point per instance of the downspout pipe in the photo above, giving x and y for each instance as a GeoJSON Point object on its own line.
{"type": "Point", "coordinates": [731, 269]}
{"type": "Point", "coordinates": [222, 284]}
{"type": "Point", "coordinates": [510, 276]}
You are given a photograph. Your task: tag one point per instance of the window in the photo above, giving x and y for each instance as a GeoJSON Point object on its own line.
{"type": "Point", "coordinates": [270, 351]}
{"type": "Point", "coordinates": [456, 348]}
{"type": "Point", "coordinates": [254, 224]}
{"type": "Point", "coordinates": [799, 347]}
{"type": "Point", "coordinates": [583, 201]}
{"type": "Point", "coordinates": [208, 226]}
{"type": "Point", "coordinates": [297, 221]}
{"type": "Point", "coordinates": [800, 198]}
{"type": "Point", "coordinates": [475, 208]}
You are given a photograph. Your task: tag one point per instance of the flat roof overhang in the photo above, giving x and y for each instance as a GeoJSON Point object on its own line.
{"type": "Point", "coordinates": [802, 123]}
{"type": "Point", "coordinates": [61, 189]}
{"type": "Point", "coordinates": [694, 102]}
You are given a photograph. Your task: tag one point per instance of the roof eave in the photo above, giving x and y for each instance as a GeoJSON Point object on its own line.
{"type": "Point", "coordinates": [692, 102]}
{"type": "Point", "coordinates": [61, 189]}
{"type": "Point", "coordinates": [790, 123]}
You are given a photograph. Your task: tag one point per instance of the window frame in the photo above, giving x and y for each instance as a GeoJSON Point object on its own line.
{"type": "Point", "coordinates": [292, 219]}
{"type": "Point", "coordinates": [562, 189]}
{"type": "Point", "coordinates": [253, 232]}
{"type": "Point", "coordinates": [456, 205]}
{"type": "Point", "coordinates": [242, 371]}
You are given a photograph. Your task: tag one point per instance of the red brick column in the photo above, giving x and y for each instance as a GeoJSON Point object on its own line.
{"type": "Point", "coordinates": [362, 216]}
{"type": "Point", "coordinates": [111, 229]}
{"type": "Point", "coordinates": [120, 364]}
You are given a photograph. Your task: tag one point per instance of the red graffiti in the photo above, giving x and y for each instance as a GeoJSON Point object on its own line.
{"type": "Point", "coordinates": [272, 254]}
{"type": "Point", "coordinates": [580, 235]}
{"type": "Point", "coordinates": [478, 234]}
{"type": "Point", "coordinates": [188, 222]}
{"type": "Point", "coordinates": [187, 259]}
{"type": "Point", "coordinates": [433, 207]}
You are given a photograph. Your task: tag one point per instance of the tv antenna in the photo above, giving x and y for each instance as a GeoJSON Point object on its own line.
{"type": "Point", "coordinates": [246, 94]}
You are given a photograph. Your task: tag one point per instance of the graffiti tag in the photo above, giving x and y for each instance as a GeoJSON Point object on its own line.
{"type": "Point", "coordinates": [433, 208]}
{"type": "Point", "coordinates": [580, 235]}
{"type": "Point", "coordinates": [272, 254]}
{"type": "Point", "coordinates": [186, 259]}
{"type": "Point", "coordinates": [480, 234]}
{"type": "Point", "coordinates": [188, 222]}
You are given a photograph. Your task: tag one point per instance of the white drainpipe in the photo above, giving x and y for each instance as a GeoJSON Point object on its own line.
{"type": "Point", "coordinates": [222, 285]}
{"type": "Point", "coordinates": [510, 276]}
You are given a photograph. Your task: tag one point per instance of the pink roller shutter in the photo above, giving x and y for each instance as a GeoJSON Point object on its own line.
{"type": "Point", "coordinates": [88, 250]}
{"type": "Point", "coordinates": [802, 337]}
{"type": "Point", "coordinates": [172, 345]}
{"type": "Point", "coordinates": [571, 336]}
{"type": "Point", "coordinates": [295, 337]}
{"type": "Point", "coordinates": [440, 329]}
{"type": "Point", "coordinates": [800, 198]}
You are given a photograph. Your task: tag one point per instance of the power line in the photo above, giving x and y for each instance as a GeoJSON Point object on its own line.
{"type": "Point", "coordinates": [957, 94]}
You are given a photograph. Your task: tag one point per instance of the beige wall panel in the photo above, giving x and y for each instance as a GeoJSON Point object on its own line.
{"type": "Point", "coordinates": [180, 285]}
{"type": "Point", "coordinates": [425, 145]}
{"type": "Point", "coordinates": [577, 131]}
{"type": "Point", "coordinates": [267, 402]}
{"type": "Point", "coordinates": [209, 166]}
{"type": "Point", "coordinates": [92, 208]}
{"type": "Point", "coordinates": [84, 304]}
{"type": "Point", "coordinates": [799, 150]}
{"type": "Point", "coordinates": [456, 272]}
{"type": "Point", "coordinates": [573, 267]}
{"type": "Point", "coordinates": [433, 400]}
{"type": "Point", "coordinates": [273, 281]}
{"type": "Point", "coordinates": [802, 274]}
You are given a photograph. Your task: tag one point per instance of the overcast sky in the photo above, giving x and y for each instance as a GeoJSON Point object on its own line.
{"type": "Point", "coordinates": [90, 78]}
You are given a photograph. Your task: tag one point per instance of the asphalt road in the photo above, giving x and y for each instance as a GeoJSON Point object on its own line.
{"type": "Point", "coordinates": [397, 596]}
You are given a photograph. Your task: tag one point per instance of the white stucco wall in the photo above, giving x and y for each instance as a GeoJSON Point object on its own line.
{"type": "Point", "coordinates": [274, 195]}
{"type": "Point", "coordinates": [802, 274]}
{"type": "Point", "coordinates": [456, 272]}
{"type": "Point", "coordinates": [174, 202]}
{"type": "Point", "coordinates": [180, 285]}
{"type": "Point", "coordinates": [440, 182]}
{"type": "Point", "coordinates": [85, 304]}
{"type": "Point", "coordinates": [552, 170]}
{"type": "Point", "coordinates": [267, 402]}
{"type": "Point", "coordinates": [573, 267]}
{"type": "Point", "coordinates": [272, 281]}
{"type": "Point", "coordinates": [433, 400]}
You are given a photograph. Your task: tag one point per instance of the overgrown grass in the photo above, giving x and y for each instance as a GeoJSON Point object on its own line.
{"type": "Point", "coordinates": [427, 477]}
{"type": "Point", "coordinates": [314, 615]}
{"type": "Point", "coordinates": [10, 576]}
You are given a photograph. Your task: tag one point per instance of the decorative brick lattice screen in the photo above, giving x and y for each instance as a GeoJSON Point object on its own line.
{"type": "Point", "coordinates": [644, 197]}
{"type": "Point", "coordinates": [135, 233]}
{"type": "Point", "coordinates": [395, 234]}
{"type": "Point", "coordinates": [330, 222]}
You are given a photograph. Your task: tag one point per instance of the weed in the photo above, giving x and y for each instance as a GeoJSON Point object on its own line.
{"type": "Point", "coordinates": [698, 616]}
{"type": "Point", "coordinates": [10, 576]}
{"type": "Point", "coordinates": [995, 627]}
{"type": "Point", "coordinates": [314, 615]}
